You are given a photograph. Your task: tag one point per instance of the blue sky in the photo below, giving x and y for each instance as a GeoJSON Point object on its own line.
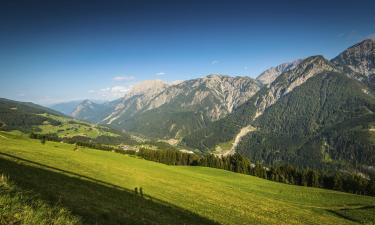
{"type": "Point", "coordinates": [54, 51]}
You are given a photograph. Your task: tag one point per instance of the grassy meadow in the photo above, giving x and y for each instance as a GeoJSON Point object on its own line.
{"type": "Point", "coordinates": [98, 187]}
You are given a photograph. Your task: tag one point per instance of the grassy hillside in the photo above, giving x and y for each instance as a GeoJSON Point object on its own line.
{"type": "Point", "coordinates": [29, 117]}
{"type": "Point", "coordinates": [98, 187]}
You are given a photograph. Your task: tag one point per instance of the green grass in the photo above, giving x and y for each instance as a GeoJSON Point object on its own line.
{"type": "Point", "coordinates": [70, 128]}
{"type": "Point", "coordinates": [20, 207]}
{"type": "Point", "coordinates": [97, 186]}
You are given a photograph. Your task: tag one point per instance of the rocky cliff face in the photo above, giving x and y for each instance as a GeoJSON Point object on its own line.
{"type": "Point", "coordinates": [179, 109]}
{"type": "Point", "coordinates": [272, 73]}
{"type": "Point", "coordinates": [215, 95]}
{"type": "Point", "coordinates": [136, 100]}
{"type": "Point", "coordinates": [359, 58]}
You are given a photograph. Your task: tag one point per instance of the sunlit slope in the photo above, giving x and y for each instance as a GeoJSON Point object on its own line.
{"type": "Point", "coordinates": [217, 195]}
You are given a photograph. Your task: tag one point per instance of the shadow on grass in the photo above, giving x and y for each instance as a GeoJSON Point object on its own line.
{"type": "Point", "coordinates": [362, 214]}
{"type": "Point", "coordinates": [94, 201]}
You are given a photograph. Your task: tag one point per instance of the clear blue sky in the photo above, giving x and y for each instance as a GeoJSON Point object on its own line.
{"type": "Point", "coordinates": [53, 51]}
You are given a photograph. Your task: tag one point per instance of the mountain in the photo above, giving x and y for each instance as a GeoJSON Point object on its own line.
{"type": "Point", "coordinates": [133, 102]}
{"type": "Point", "coordinates": [136, 100]}
{"type": "Point", "coordinates": [90, 111]}
{"type": "Point", "coordinates": [66, 107]}
{"type": "Point", "coordinates": [156, 109]}
{"type": "Point", "coordinates": [69, 107]}
{"type": "Point", "coordinates": [291, 79]}
{"type": "Point", "coordinates": [327, 121]}
{"type": "Point", "coordinates": [269, 75]}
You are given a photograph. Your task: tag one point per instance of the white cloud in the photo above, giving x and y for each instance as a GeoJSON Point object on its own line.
{"type": "Point", "coordinates": [123, 78]}
{"type": "Point", "coordinates": [119, 91]}
{"type": "Point", "coordinates": [160, 73]}
{"type": "Point", "coordinates": [110, 92]}
{"type": "Point", "coordinates": [215, 62]}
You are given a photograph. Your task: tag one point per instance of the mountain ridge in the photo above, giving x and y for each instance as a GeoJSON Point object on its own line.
{"type": "Point", "coordinates": [269, 75]}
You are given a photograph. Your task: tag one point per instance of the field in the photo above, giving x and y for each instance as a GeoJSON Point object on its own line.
{"type": "Point", "coordinates": [70, 128]}
{"type": "Point", "coordinates": [99, 187]}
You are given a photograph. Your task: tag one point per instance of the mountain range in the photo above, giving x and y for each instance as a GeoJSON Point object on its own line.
{"type": "Point", "coordinates": [311, 112]}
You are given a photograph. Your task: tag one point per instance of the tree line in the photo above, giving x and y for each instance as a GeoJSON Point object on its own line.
{"type": "Point", "coordinates": [77, 140]}
{"type": "Point", "coordinates": [288, 174]}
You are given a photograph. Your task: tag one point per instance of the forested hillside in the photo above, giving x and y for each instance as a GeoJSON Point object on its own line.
{"type": "Point", "coordinates": [326, 120]}
{"type": "Point", "coordinates": [23, 115]}
{"type": "Point", "coordinates": [319, 114]}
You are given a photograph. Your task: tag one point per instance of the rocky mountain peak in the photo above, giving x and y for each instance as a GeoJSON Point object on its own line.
{"type": "Point", "coordinates": [147, 86]}
{"type": "Point", "coordinates": [85, 105]}
{"type": "Point", "coordinates": [86, 102]}
{"type": "Point", "coordinates": [360, 58]}
{"type": "Point", "coordinates": [269, 75]}
{"type": "Point", "coordinates": [215, 76]}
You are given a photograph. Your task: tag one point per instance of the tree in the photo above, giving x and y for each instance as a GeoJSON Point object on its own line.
{"type": "Point", "coordinates": [141, 191]}
{"type": "Point", "coordinates": [43, 140]}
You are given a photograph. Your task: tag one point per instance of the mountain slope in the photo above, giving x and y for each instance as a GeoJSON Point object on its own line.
{"type": "Point", "coordinates": [226, 129]}
{"type": "Point", "coordinates": [180, 109]}
{"type": "Point", "coordinates": [289, 80]}
{"type": "Point", "coordinates": [360, 58]}
{"type": "Point", "coordinates": [66, 107]}
{"type": "Point", "coordinates": [135, 101]}
{"type": "Point", "coordinates": [91, 111]}
{"type": "Point", "coordinates": [317, 115]}
{"type": "Point", "coordinates": [307, 127]}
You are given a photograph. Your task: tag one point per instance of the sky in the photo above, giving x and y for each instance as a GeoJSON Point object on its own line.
{"type": "Point", "coordinates": [56, 51]}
